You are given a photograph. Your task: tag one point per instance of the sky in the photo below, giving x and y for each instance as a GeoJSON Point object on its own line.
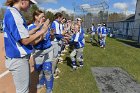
{"type": "Point", "coordinates": [93, 6]}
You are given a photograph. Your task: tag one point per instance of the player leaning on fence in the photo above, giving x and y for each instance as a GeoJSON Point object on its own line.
{"type": "Point", "coordinates": [18, 42]}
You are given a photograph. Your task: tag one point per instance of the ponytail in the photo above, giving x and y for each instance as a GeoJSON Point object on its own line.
{"type": "Point", "coordinates": [10, 2]}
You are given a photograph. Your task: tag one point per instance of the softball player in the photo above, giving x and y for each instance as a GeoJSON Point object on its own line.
{"type": "Point", "coordinates": [62, 24]}
{"type": "Point", "coordinates": [77, 40]}
{"type": "Point", "coordinates": [104, 32]}
{"type": "Point", "coordinates": [55, 27]}
{"type": "Point", "coordinates": [18, 42]}
{"type": "Point", "coordinates": [43, 55]}
{"type": "Point", "coordinates": [99, 33]}
{"type": "Point", "coordinates": [93, 32]}
{"type": "Point", "coordinates": [79, 22]}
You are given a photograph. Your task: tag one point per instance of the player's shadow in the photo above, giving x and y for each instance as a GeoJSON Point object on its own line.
{"type": "Point", "coordinates": [33, 82]}
{"type": "Point", "coordinates": [87, 41]}
{"type": "Point", "coordinates": [34, 77]}
{"type": "Point", "coordinates": [68, 61]}
{"type": "Point", "coordinates": [67, 58]}
{"type": "Point", "coordinates": [93, 43]}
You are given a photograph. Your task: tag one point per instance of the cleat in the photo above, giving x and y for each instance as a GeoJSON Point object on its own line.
{"type": "Point", "coordinates": [56, 77]}
{"type": "Point", "coordinates": [60, 61]}
{"type": "Point", "coordinates": [60, 58]}
{"type": "Point", "coordinates": [62, 54]}
{"type": "Point", "coordinates": [74, 67]}
{"type": "Point", "coordinates": [58, 70]}
{"type": "Point", "coordinates": [81, 66]}
{"type": "Point", "coordinates": [64, 51]}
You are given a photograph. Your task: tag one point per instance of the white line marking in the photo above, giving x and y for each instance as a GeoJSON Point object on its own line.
{"type": "Point", "coordinates": [3, 74]}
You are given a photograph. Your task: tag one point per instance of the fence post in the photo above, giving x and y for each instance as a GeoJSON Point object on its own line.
{"type": "Point", "coordinates": [139, 34]}
{"type": "Point", "coordinates": [127, 26]}
{"type": "Point", "coordinates": [123, 30]}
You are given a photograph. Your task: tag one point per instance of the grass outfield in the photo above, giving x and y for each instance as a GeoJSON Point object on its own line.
{"type": "Point", "coordinates": [116, 54]}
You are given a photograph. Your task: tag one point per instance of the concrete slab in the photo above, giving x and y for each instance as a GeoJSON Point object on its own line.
{"type": "Point", "coordinates": [114, 80]}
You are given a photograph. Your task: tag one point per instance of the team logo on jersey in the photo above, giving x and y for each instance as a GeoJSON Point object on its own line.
{"type": "Point", "coordinates": [5, 35]}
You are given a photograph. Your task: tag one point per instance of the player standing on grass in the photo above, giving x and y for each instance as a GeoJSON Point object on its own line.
{"type": "Point", "coordinates": [43, 55]}
{"type": "Point", "coordinates": [57, 41]}
{"type": "Point", "coordinates": [55, 26]}
{"type": "Point", "coordinates": [104, 32]}
{"type": "Point", "coordinates": [79, 22]}
{"type": "Point", "coordinates": [18, 42]}
{"type": "Point", "coordinates": [62, 25]}
{"type": "Point", "coordinates": [93, 32]}
{"type": "Point", "coordinates": [99, 33]}
{"type": "Point", "coordinates": [77, 41]}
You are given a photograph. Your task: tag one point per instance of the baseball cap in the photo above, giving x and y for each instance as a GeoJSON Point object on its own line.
{"type": "Point", "coordinates": [78, 19]}
{"type": "Point", "coordinates": [33, 1]}
{"type": "Point", "coordinates": [103, 24]}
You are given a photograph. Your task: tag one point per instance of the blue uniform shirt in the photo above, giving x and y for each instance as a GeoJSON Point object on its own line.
{"type": "Point", "coordinates": [93, 29]}
{"type": "Point", "coordinates": [15, 29]}
{"type": "Point", "coordinates": [104, 30]}
{"type": "Point", "coordinates": [99, 30]}
{"type": "Point", "coordinates": [56, 26]}
{"type": "Point", "coordinates": [77, 40]}
{"type": "Point", "coordinates": [61, 28]}
{"type": "Point", "coordinates": [82, 30]}
{"type": "Point", "coordinates": [44, 44]}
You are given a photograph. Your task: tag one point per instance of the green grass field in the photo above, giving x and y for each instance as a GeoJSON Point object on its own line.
{"type": "Point", "coordinates": [116, 54]}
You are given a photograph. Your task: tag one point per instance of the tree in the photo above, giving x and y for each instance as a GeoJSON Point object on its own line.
{"type": "Point", "coordinates": [65, 15]}
{"type": "Point", "coordinates": [33, 8]}
{"type": "Point", "coordinates": [2, 10]}
{"type": "Point", "coordinates": [103, 16]}
{"type": "Point", "coordinates": [49, 15]}
{"type": "Point", "coordinates": [113, 17]}
{"type": "Point", "coordinates": [28, 14]}
{"type": "Point", "coordinates": [88, 19]}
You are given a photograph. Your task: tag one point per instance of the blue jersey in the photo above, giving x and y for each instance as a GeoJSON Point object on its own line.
{"type": "Point", "coordinates": [104, 30]}
{"type": "Point", "coordinates": [82, 30]}
{"type": "Point", "coordinates": [44, 44]}
{"type": "Point", "coordinates": [61, 28]}
{"type": "Point", "coordinates": [15, 29]}
{"type": "Point", "coordinates": [56, 26]}
{"type": "Point", "coordinates": [77, 40]}
{"type": "Point", "coordinates": [99, 30]}
{"type": "Point", "coordinates": [93, 29]}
